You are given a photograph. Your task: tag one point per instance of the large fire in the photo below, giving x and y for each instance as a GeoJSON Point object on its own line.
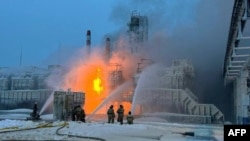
{"type": "Point", "coordinates": [91, 77]}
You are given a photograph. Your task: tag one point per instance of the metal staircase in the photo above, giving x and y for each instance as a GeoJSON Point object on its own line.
{"type": "Point", "coordinates": [181, 98]}
{"type": "Point", "coordinates": [191, 106]}
{"type": "Point", "coordinates": [171, 89]}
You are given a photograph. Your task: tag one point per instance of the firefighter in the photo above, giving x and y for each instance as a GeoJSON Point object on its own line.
{"type": "Point", "coordinates": [130, 118]}
{"type": "Point", "coordinates": [34, 114]}
{"type": "Point", "coordinates": [78, 114]}
{"type": "Point", "coordinates": [111, 114]}
{"type": "Point", "coordinates": [120, 112]}
{"type": "Point", "coordinates": [35, 109]}
{"type": "Point", "coordinates": [83, 115]}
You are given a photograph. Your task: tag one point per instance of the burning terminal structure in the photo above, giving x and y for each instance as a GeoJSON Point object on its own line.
{"type": "Point", "coordinates": [168, 87]}
{"type": "Point", "coordinates": [121, 76]}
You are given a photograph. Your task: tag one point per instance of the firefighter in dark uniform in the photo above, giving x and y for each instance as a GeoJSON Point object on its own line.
{"type": "Point", "coordinates": [34, 114]}
{"type": "Point", "coordinates": [130, 118]}
{"type": "Point", "coordinates": [120, 112]}
{"type": "Point", "coordinates": [83, 115]}
{"type": "Point", "coordinates": [111, 114]}
{"type": "Point", "coordinates": [35, 109]}
{"type": "Point", "coordinates": [78, 114]}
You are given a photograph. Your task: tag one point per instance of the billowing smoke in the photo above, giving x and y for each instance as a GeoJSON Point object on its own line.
{"type": "Point", "coordinates": [188, 29]}
{"type": "Point", "coordinates": [178, 29]}
{"type": "Point", "coordinates": [123, 55]}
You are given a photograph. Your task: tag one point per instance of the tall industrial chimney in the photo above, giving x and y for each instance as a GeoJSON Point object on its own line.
{"type": "Point", "coordinates": [107, 48]}
{"type": "Point", "coordinates": [88, 41]}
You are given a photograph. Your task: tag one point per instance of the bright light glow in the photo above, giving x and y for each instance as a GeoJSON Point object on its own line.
{"type": "Point", "coordinates": [97, 83]}
{"type": "Point", "coordinates": [91, 75]}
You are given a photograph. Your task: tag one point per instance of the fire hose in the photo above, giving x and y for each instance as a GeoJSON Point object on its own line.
{"type": "Point", "coordinates": [48, 125]}
{"type": "Point", "coordinates": [77, 136]}
{"type": "Point", "coordinates": [23, 129]}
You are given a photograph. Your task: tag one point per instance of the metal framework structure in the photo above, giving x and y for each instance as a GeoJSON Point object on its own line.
{"type": "Point", "coordinates": [168, 92]}
{"type": "Point", "coordinates": [236, 57]}
{"type": "Point", "coordinates": [138, 30]}
{"type": "Point", "coordinates": [237, 60]}
{"type": "Point", "coordinates": [115, 75]}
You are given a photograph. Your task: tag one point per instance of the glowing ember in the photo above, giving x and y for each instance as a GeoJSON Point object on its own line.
{"type": "Point", "coordinates": [97, 83]}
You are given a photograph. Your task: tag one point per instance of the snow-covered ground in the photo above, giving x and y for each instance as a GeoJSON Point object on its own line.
{"type": "Point", "coordinates": [144, 129]}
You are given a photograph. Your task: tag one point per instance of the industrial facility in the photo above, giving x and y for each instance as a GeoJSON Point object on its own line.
{"type": "Point", "coordinates": [140, 84]}
{"type": "Point", "coordinates": [170, 91]}
{"type": "Point", "coordinates": [28, 83]}
{"type": "Point", "coordinates": [22, 88]}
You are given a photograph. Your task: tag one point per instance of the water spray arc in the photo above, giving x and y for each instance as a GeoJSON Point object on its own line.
{"type": "Point", "coordinates": [115, 95]}
{"type": "Point", "coordinates": [47, 104]}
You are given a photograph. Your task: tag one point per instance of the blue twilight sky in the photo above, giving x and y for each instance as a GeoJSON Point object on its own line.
{"type": "Point", "coordinates": [42, 27]}
{"type": "Point", "coordinates": [39, 27]}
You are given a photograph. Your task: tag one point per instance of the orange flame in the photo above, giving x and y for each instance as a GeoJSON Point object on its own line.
{"type": "Point", "coordinates": [97, 83]}
{"type": "Point", "coordinates": [91, 76]}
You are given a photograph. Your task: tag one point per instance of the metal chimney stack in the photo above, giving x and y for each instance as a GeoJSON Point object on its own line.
{"type": "Point", "coordinates": [88, 41]}
{"type": "Point", "coordinates": [107, 48]}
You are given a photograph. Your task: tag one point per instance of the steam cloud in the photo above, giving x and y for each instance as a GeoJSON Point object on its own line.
{"type": "Point", "coordinates": [188, 29]}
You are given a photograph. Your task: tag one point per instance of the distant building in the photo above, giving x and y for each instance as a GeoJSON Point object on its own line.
{"type": "Point", "coordinates": [24, 86]}
{"type": "Point", "coordinates": [27, 78]}
{"type": "Point", "coordinates": [4, 82]}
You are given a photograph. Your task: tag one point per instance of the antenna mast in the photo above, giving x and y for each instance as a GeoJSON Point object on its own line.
{"type": "Point", "coordinates": [21, 56]}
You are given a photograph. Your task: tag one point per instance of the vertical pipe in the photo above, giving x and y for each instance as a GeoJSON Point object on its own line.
{"type": "Point", "coordinates": [88, 41]}
{"type": "Point", "coordinates": [107, 48]}
{"type": "Point", "coordinates": [244, 97]}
